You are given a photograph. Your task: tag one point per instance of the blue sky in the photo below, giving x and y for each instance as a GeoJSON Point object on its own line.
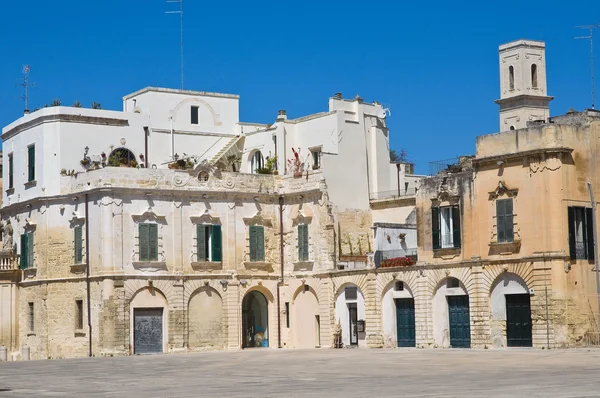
{"type": "Point", "coordinates": [434, 63]}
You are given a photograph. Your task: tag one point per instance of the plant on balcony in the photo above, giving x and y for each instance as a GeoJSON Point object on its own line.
{"type": "Point", "coordinates": [269, 167]}
{"type": "Point", "coordinates": [85, 162]}
{"type": "Point", "coordinates": [397, 262]}
{"type": "Point", "coordinates": [295, 165]}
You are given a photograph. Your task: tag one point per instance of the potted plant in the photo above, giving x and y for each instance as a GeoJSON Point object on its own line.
{"type": "Point", "coordinates": [85, 162]}
{"type": "Point", "coordinates": [295, 165]}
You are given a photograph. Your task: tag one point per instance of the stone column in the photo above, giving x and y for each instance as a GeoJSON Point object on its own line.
{"type": "Point", "coordinates": [232, 307]}
{"type": "Point", "coordinates": [423, 316]}
{"type": "Point", "coordinates": [373, 318]}
{"type": "Point", "coordinates": [480, 310]}
{"type": "Point", "coordinates": [107, 236]}
{"type": "Point", "coordinates": [177, 318]}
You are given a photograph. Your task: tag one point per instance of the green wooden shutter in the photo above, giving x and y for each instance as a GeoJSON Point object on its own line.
{"type": "Point", "coordinates": [500, 221]}
{"type": "Point", "coordinates": [302, 242]}
{"type": "Point", "coordinates": [30, 250]}
{"type": "Point", "coordinates": [153, 240]}
{"type": "Point", "coordinates": [508, 221]}
{"type": "Point", "coordinates": [260, 243]}
{"type": "Point", "coordinates": [78, 245]}
{"type": "Point", "coordinates": [589, 224]}
{"type": "Point", "coordinates": [253, 243]}
{"type": "Point", "coordinates": [456, 226]}
{"type": "Point", "coordinates": [201, 242]}
{"type": "Point", "coordinates": [571, 221]}
{"type": "Point", "coordinates": [144, 242]}
{"type": "Point", "coordinates": [435, 228]}
{"type": "Point", "coordinates": [31, 163]}
{"type": "Point", "coordinates": [216, 243]}
{"type": "Point", "coordinates": [24, 256]}
{"type": "Point", "coordinates": [10, 171]}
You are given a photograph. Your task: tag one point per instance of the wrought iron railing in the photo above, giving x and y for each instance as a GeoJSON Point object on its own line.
{"type": "Point", "coordinates": [440, 165]}
{"type": "Point", "coordinates": [381, 255]}
{"type": "Point", "coordinates": [392, 194]}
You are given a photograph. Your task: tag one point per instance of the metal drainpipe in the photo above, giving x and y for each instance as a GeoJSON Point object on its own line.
{"type": "Point", "coordinates": [281, 277]}
{"type": "Point", "coordinates": [87, 272]}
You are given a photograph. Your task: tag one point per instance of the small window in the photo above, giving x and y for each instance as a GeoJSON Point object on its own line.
{"type": "Point", "coordinates": [287, 315]}
{"type": "Point", "coordinates": [79, 314]}
{"type": "Point", "coordinates": [31, 163]}
{"type": "Point", "coordinates": [399, 286]}
{"type": "Point", "coordinates": [316, 158]}
{"type": "Point", "coordinates": [209, 243]}
{"type": "Point", "coordinates": [194, 115]}
{"type": "Point", "coordinates": [31, 317]}
{"type": "Point", "coordinates": [581, 233]}
{"type": "Point", "coordinates": [445, 227]}
{"type": "Point", "coordinates": [11, 171]}
{"type": "Point", "coordinates": [27, 250]}
{"type": "Point", "coordinates": [203, 176]}
{"type": "Point", "coordinates": [257, 162]}
{"type": "Point", "coordinates": [534, 77]}
{"type": "Point", "coordinates": [302, 242]}
{"type": "Point", "coordinates": [351, 293]}
{"type": "Point", "coordinates": [306, 288]}
{"type": "Point", "coordinates": [148, 242]}
{"type": "Point", "coordinates": [511, 78]}
{"type": "Point", "coordinates": [452, 283]}
{"type": "Point", "coordinates": [512, 127]}
{"type": "Point", "coordinates": [504, 220]}
{"type": "Point", "coordinates": [257, 243]}
{"type": "Point", "coordinates": [78, 232]}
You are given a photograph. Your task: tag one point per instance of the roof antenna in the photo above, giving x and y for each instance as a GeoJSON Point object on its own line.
{"type": "Point", "coordinates": [26, 84]}
{"type": "Point", "coordinates": [591, 38]}
{"type": "Point", "coordinates": [180, 12]}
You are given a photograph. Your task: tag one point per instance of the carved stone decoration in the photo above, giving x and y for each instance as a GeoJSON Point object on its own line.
{"type": "Point", "coordinates": [228, 183]}
{"type": "Point", "coordinates": [181, 180]}
{"type": "Point", "coordinates": [553, 161]}
{"type": "Point", "coordinates": [206, 218]}
{"type": "Point", "coordinates": [7, 237]}
{"type": "Point", "coordinates": [503, 190]}
{"type": "Point", "coordinates": [534, 164]}
{"type": "Point", "coordinates": [258, 219]}
{"type": "Point", "coordinates": [301, 219]}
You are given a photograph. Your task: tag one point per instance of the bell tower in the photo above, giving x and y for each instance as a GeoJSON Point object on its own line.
{"type": "Point", "coordinates": [523, 92]}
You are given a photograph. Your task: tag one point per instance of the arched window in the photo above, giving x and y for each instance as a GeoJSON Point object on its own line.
{"type": "Point", "coordinates": [511, 78]}
{"type": "Point", "coordinates": [257, 162]}
{"type": "Point", "coordinates": [512, 127]}
{"type": "Point", "coordinates": [122, 157]}
{"type": "Point", "coordinates": [534, 83]}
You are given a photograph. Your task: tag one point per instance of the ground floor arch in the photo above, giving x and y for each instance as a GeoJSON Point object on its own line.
{"type": "Point", "coordinates": [255, 320]}
{"type": "Point", "coordinates": [306, 322]}
{"type": "Point", "coordinates": [511, 324]}
{"type": "Point", "coordinates": [205, 318]}
{"type": "Point", "coordinates": [350, 315]}
{"type": "Point", "coordinates": [149, 320]}
{"type": "Point", "coordinates": [398, 312]}
{"type": "Point", "coordinates": [451, 314]}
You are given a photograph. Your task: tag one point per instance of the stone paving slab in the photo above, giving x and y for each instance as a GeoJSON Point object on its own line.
{"type": "Point", "coordinates": [313, 373]}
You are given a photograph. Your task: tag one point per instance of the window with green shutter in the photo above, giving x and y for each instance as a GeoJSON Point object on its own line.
{"type": "Point", "coordinates": [257, 243]}
{"type": "Point", "coordinates": [31, 163]}
{"type": "Point", "coordinates": [78, 232]}
{"type": "Point", "coordinates": [445, 227]}
{"type": "Point", "coordinates": [26, 250]}
{"type": "Point", "coordinates": [216, 244]}
{"type": "Point", "coordinates": [302, 242]}
{"type": "Point", "coordinates": [504, 220]}
{"type": "Point", "coordinates": [11, 171]}
{"type": "Point", "coordinates": [209, 243]}
{"type": "Point", "coordinates": [148, 241]}
{"type": "Point", "coordinates": [201, 242]}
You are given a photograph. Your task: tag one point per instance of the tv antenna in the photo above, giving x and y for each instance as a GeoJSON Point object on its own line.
{"type": "Point", "coordinates": [591, 39]}
{"type": "Point", "coordinates": [26, 84]}
{"type": "Point", "coordinates": [180, 12]}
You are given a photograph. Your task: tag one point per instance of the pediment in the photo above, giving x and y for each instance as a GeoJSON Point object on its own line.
{"type": "Point", "coordinates": [258, 219]}
{"type": "Point", "coordinates": [149, 215]}
{"type": "Point", "coordinates": [206, 218]}
{"type": "Point", "coordinates": [503, 190]}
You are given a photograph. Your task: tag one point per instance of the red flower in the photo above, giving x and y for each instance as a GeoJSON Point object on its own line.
{"type": "Point", "coordinates": [397, 262]}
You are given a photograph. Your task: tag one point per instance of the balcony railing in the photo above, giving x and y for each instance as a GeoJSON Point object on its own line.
{"type": "Point", "coordinates": [392, 194]}
{"type": "Point", "coordinates": [382, 255]}
{"type": "Point", "coordinates": [8, 261]}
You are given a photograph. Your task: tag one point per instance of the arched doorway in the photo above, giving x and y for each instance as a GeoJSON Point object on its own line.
{"type": "Point", "coordinates": [255, 322]}
{"type": "Point", "coordinates": [306, 321]}
{"type": "Point", "coordinates": [511, 312]}
{"type": "Point", "coordinates": [398, 310]}
{"type": "Point", "coordinates": [122, 157]}
{"type": "Point", "coordinates": [257, 162]}
{"type": "Point", "coordinates": [350, 314]}
{"type": "Point", "coordinates": [451, 315]}
{"type": "Point", "coordinates": [149, 320]}
{"type": "Point", "coordinates": [205, 312]}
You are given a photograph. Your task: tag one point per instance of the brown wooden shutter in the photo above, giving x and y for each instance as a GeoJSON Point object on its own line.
{"type": "Point", "coordinates": [589, 224]}
{"type": "Point", "coordinates": [436, 233]}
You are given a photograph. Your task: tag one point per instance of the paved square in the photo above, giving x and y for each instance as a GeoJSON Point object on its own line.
{"type": "Point", "coordinates": [314, 373]}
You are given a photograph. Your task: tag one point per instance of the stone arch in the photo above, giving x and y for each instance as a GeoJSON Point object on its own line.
{"type": "Point", "coordinates": [440, 310]}
{"type": "Point", "coordinates": [256, 313]}
{"type": "Point", "coordinates": [438, 277]}
{"type": "Point", "coordinates": [123, 156]}
{"type": "Point", "coordinates": [256, 160]}
{"type": "Point", "coordinates": [492, 271]}
{"type": "Point", "coordinates": [344, 308]}
{"type": "Point", "coordinates": [304, 312]}
{"type": "Point", "coordinates": [388, 308]}
{"type": "Point", "coordinates": [507, 283]}
{"type": "Point", "coordinates": [206, 319]}
{"type": "Point", "coordinates": [133, 286]}
{"type": "Point", "coordinates": [148, 298]}
{"type": "Point", "coordinates": [197, 101]}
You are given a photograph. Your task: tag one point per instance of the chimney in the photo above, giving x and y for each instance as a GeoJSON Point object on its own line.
{"type": "Point", "coordinates": [281, 115]}
{"type": "Point", "coordinates": [337, 96]}
{"type": "Point", "coordinates": [26, 112]}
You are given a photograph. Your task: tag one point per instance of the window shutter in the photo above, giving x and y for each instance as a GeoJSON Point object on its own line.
{"type": "Point", "coordinates": [10, 171]}
{"type": "Point", "coordinates": [456, 226]}
{"type": "Point", "coordinates": [571, 220]}
{"type": "Point", "coordinates": [260, 243]}
{"type": "Point", "coordinates": [144, 242]}
{"type": "Point", "coordinates": [31, 163]}
{"type": "Point", "coordinates": [253, 241]}
{"type": "Point", "coordinates": [30, 249]}
{"type": "Point", "coordinates": [435, 227]}
{"type": "Point", "coordinates": [217, 244]}
{"type": "Point", "coordinates": [500, 221]}
{"type": "Point", "coordinates": [78, 245]}
{"type": "Point", "coordinates": [201, 242]}
{"type": "Point", "coordinates": [153, 242]}
{"type": "Point", "coordinates": [24, 256]}
{"type": "Point", "coordinates": [508, 221]}
{"type": "Point", "coordinates": [589, 223]}
{"type": "Point", "coordinates": [302, 242]}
